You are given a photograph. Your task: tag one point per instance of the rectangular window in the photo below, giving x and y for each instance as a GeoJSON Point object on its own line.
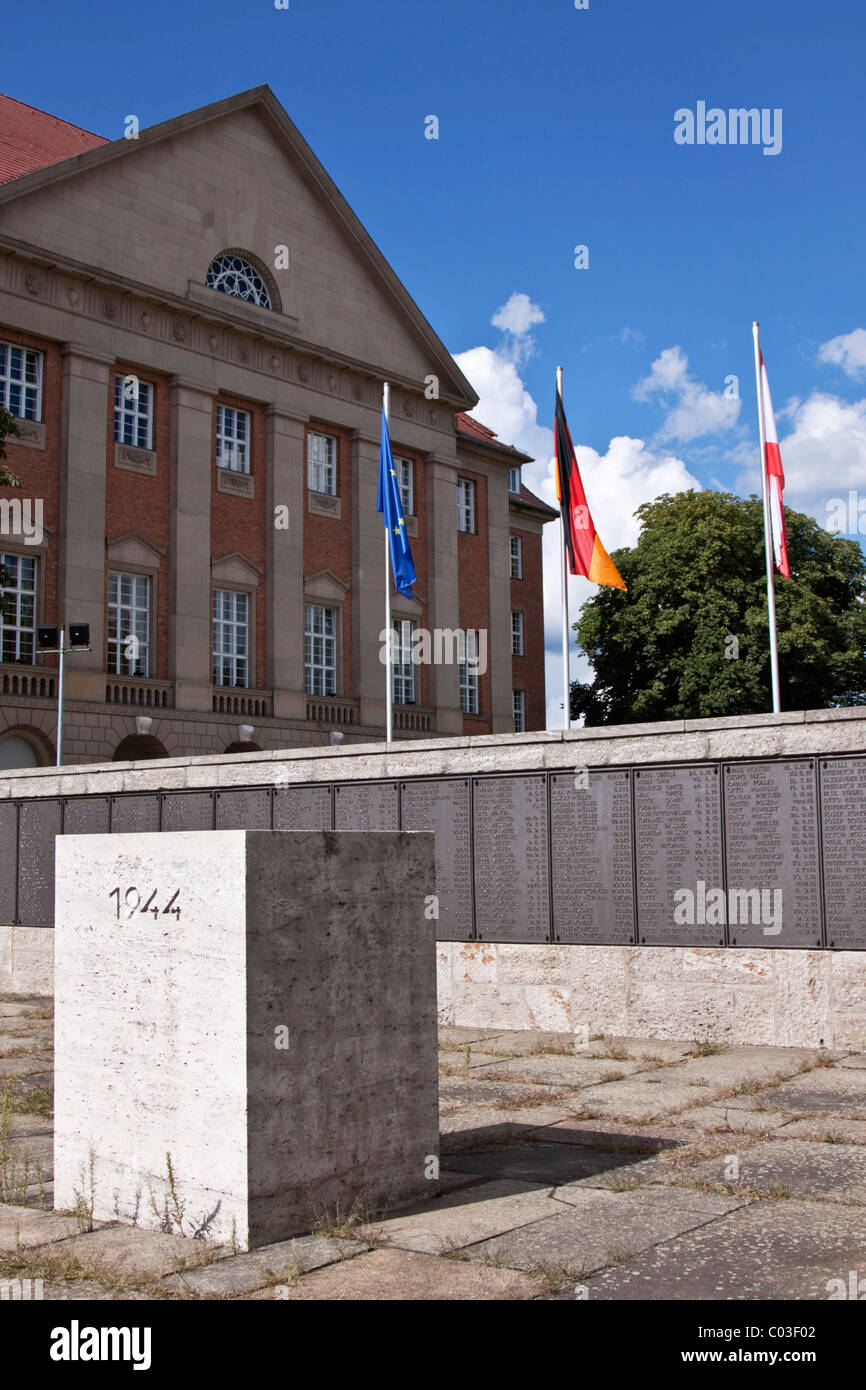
{"type": "Point", "coordinates": [129, 624]}
{"type": "Point", "coordinates": [18, 614]}
{"type": "Point", "coordinates": [405, 482]}
{"type": "Point", "coordinates": [516, 557]}
{"type": "Point", "coordinates": [322, 463]}
{"type": "Point", "coordinates": [514, 480]}
{"type": "Point", "coordinates": [467, 653]}
{"type": "Point", "coordinates": [465, 505]}
{"type": "Point", "coordinates": [517, 634]}
{"type": "Point", "coordinates": [320, 649]}
{"type": "Point", "coordinates": [402, 668]}
{"type": "Point", "coordinates": [233, 439]}
{"type": "Point", "coordinates": [519, 711]}
{"type": "Point", "coordinates": [133, 412]}
{"type": "Point", "coordinates": [21, 381]}
{"type": "Point", "coordinates": [231, 650]}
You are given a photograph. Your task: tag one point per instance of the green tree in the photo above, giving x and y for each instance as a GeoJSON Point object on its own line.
{"type": "Point", "coordinates": [690, 637]}
{"type": "Point", "coordinates": [7, 479]}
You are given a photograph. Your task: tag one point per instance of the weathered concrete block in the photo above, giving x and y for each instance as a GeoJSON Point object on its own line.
{"type": "Point", "coordinates": [245, 1028]}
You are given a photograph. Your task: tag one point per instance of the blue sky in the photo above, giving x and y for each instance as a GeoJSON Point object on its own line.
{"type": "Point", "coordinates": [556, 129]}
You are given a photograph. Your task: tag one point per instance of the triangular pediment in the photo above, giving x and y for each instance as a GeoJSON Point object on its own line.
{"type": "Point", "coordinates": [235, 569]}
{"type": "Point", "coordinates": [157, 209]}
{"type": "Point", "coordinates": [133, 549]}
{"type": "Point", "coordinates": [325, 586]}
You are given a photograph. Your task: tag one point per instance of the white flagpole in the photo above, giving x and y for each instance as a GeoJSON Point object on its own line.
{"type": "Point", "coordinates": [768, 533]}
{"type": "Point", "coordinates": [566, 691]}
{"type": "Point", "coordinates": [389, 692]}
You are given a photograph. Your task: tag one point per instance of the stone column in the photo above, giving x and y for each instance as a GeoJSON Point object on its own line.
{"type": "Point", "coordinates": [82, 590]}
{"type": "Point", "coordinates": [368, 582]}
{"type": "Point", "coordinates": [444, 599]}
{"type": "Point", "coordinates": [190, 624]}
{"type": "Point", "coordinates": [499, 571]}
{"type": "Point", "coordinates": [285, 578]}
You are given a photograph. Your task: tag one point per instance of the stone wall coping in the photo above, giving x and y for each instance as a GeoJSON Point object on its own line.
{"type": "Point", "coordinates": [791, 734]}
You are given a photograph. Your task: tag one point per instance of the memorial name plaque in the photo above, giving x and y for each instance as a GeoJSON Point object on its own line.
{"type": "Point", "coordinates": [512, 901]}
{"type": "Point", "coordinates": [590, 832]}
{"type": "Point", "coordinates": [443, 808]}
{"type": "Point", "coordinates": [247, 810]}
{"type": "Point", "coordinates": [130, 813]}
{"type": "Point", "coordinates": [302, 808]}
{"type": "Point", "coordinates": [38, 824]}
{"type": "Point", "coordinates": [678, 837]}
{"type": "Point", "coordinates": [366, 806]}
{"type": "Point", "coordinates": [843, 816]}
{"type": "Point", "coordinates": [8, 861]}
{"type": "Point", "coordinates": [187, 811]}
{"type": "Point", "coordinates": [87, 815]}
{"type": "Point", "coordinates": [771, 839]}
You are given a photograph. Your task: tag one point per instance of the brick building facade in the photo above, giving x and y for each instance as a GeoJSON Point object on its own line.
{"type": "Point", "coordinates": [194, 333]}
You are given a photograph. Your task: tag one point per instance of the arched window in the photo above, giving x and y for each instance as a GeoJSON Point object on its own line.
{"type": "Point", "coordinates": [17, 752]}
{"type": "Point", "coordinates": [233, 275]}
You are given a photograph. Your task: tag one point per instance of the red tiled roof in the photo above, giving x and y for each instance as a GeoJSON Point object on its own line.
{"type": "Point", "coordinates": [533, 501]}
{"type": "Point", "coordinates": [31, 139]}
{"type": "Point", "coordinates": [473, 429]}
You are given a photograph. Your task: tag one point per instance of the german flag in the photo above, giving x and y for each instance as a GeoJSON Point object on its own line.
{"type": "Point", "coordinates": [586, 554]}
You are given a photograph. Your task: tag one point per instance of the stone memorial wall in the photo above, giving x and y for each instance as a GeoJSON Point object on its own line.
{"type": "Point", "coordinates": [729, 836]}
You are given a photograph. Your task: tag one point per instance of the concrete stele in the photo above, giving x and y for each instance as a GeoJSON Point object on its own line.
{"type": "Point", "coordinates": [272, 1028]}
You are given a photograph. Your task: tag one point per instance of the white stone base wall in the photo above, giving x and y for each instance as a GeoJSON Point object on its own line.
{"type": "Point", "coordinates": [26, 960]}
{"type": "Point", "coordinates": [738, 996]}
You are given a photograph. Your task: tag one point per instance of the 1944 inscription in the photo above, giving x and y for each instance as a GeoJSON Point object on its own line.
{"type": "Point", "coordinates": [150, 906]}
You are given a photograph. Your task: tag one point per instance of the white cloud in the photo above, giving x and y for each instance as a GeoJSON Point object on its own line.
{"type": "Point", "coordinates": [617, 482]}
{"type": "Point", "coordinates": [847, 351]}
{"type": "Point", "coordinates": [516, 317]}
{"type": "Point", "coordinates": [823, 455]}
{"type": "Point", "coordinates": [692, 409]}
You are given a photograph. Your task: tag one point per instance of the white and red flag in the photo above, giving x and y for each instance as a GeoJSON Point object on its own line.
{"type": "Point", "coordinates": [775, 478]}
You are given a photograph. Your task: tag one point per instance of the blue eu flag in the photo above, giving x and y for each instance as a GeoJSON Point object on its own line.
{"type": "Point", "coordinates": [389, 502]}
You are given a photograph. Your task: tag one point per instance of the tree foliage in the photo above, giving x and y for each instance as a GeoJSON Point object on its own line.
{"type": "Point", "coordinates": [690, 638]}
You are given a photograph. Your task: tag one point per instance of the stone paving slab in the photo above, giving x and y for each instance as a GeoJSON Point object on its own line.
{"type": "Point", "coordinates": [742, 1065]}
{"type": "Point", "coordinates": [532, 1043]}
{"type": "Point", "coordinates": [23, 1125]}
{"type": "Point", "coordinates": [834, 1172]}
{"type": "Point", "coordinates": [23, 1227]}
{"type": "Point", "coordinates": [454, 1063]}
{"type": "Point", "coordinates": [599, 1227]}
{"type": "Point", "coordinates": [641, 1049]}
{"type": "Point", "coordinates": [610, 1134]}
{"type": "Point", "coordinates": [500, 1094]}
{"type": "Point", "coordinates": [475, 1128]}
{"type": "Point", "coordinates": [386, 1275]}
{"type": "Point", "coordinates": [554, 1070]}
{"type": "Point", "coordinates": [240, 1274]}
{"type": "Point", "coordinates": [136, 1253]}
{"type": "Point", "coordinates": [36, 1149]}
{"type": "Point", "coordinates": [640, 1098]}
{"type": "Point", "coordinates": [465, 1217]}
{"type": "Point", "coordinates": [724, 1116]}
{"type": "Point", "coordinates": [829, 1128]}
{"type": "Point", "coordinates": [763, 1251]}
{"type": "Point", "coordinates": [80, 1290]}
{"type": "Point", "coordinates": [451, 1038]}
{"type": "Point", "coordinates": [542, 1163]}
{"type": "Point", "coordinates": [11, 1067]}
{"type": "Point", "coordinates": [825, 1088]}
{"type": "Point", "coordinates": [858, 1061]}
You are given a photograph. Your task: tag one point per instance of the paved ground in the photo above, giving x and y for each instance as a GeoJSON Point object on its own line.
{"type": "Point", "coordinates": [626, 1169]}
